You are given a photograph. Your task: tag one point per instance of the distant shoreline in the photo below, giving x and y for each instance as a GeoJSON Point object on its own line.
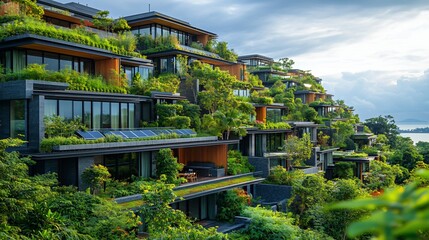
{"type": "Point", "coordinates": [416, 130]}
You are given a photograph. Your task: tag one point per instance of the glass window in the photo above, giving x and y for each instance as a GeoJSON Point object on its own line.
{"type": "Point", "coordinates": [129, 73]}
{"type": "Point", "coordinates": [34, 57]}
{"type": "Point", "coordinates": [77, 110]}
{"type": "Point", "coordinates": [66, 62]}
{"type": "Point", "coordinates": [65, 109]}
{"type": "Point", "coordinates": [114, 115]}
{"type": "Point", "coordinates": [145, 30]}
{"type": "Point", "coordinates": [131, 115]}
{"type": "Point", "coordinates": [17, 119]}
{"type": "Point", "coordinates": [87, 66]}
{"type": "Point", "coordinates": [105, 117]}
{"type": "Point", "coordinates": [87, 114]}
{"type": "Point", "coordinates": [18, 60]}
{"type": "Point", "coordinates": [165, 31]}
{"type": "Point", "coordinates": [96, 115]}
{"type": "Point", "coordinates": [124, 115]}
{"type": "Point", "coordinates": [158, 31]}
{"type": "Point", "coordinates": [274, 115]}
{"type": "Point", "coordinates": [50, 107]}
{"type": "Point", "coordinates": [51, 61]}
{"type": "Point", "coordinates": [174, 32]}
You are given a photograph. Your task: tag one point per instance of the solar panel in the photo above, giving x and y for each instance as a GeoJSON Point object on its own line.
{"type": "Point", "coordinates": [129, 134]}
{"type": "Point", "coordinates": [149, 133]}
{"type": "Point", "coordinates": [139, 133]}
{"type": "Point", "coordinates": [96, 134]}
{"type": "Point", "coordinates": [179, 132]}
{"type": "Point", "coordinates": [189, 131]}
{"type": "Point", "coordinates": [89, 135]}
{"type": "Point", "coordinates": [116, 133]}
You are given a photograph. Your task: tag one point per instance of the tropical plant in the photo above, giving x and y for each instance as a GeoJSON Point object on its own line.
{"type": "Point", "coordinates": [297, 149]}
{"type": "Point", "coordinates": [95, 177]}
{"type": "Point", "coordinates": [167, 165]}
{"type": "Point", "coordinates": [237, 163]}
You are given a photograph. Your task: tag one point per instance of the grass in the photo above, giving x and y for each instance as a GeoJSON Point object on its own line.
{"type": "Point", "coordinates": [192, 190]}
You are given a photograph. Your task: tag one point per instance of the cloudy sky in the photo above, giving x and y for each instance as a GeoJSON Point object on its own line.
{"type": "Point", "coordinates": [374, 54]}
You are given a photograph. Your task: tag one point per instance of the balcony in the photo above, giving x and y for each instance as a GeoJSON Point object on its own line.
{"type": "Point", "coordinates": [203, 186]}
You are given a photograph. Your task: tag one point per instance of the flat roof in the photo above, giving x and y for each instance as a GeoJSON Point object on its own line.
{"type": "Point", "coordinates": [256, 56]}
{"type": "Point", "coordinates": [142, 18]}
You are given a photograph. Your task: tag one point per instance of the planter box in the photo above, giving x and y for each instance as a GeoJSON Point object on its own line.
{"type": "Point", "coordinates": [132, 143]}
{"type": "Point", "coordinates": [217, 172]}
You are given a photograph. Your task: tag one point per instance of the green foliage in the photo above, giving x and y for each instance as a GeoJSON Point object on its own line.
{"type": "Point", "coordinates": [423, 149]}
{"type": "Point", "coordinates": [146, 44]}
{"type": "Point", "coordinates": [383, 125]}
{"type": "Point", "coordinates": [416, 177]}
{"type": "Point", "coordinates": [167, 165]}
{"type": "Point", "coordinates": [381, 175]}
{"type": "Point", "coordinates": [77, 35]}
{"type": "Point", "coordinates": [192, 111]}
{"type": "Point", "coordinates": [28, 8]}
{"type": "Point", "coordinates": [76, 81]}
{"type": "Point", "coordinates": [273, 125]}
{"type": "Point", "coordinates": [163, 222]}
{"type": "Point", "coordinates": [400, 213]}
{"type": "Point", "coordinates": [279, 175]}
{"type": "Point", "coordinates": [179, 122]}
{"type": "Point", "coordinates": [298, 149]}
{"type": "Point", "coordinates": [343, 131]}
{"type": "Point", "coordinates": [253, 80]}
{"type": "Point", "coordinates": [167, 82]}
{"type": "Point", "coordinates": [237, 163]}
{"type": "Point", "coordinates": [405, 153]}
{"type": "Point", "coordinates": [103, 21]}
{"type": "Point", "coordinates": [344, 170]}
{"type": "Point", "coordinates": [225, 53]}
{"type": "Point", "coordinates": [56, 126]}
{"type": "Point", "coordinates": [95, 176]}
{"type": "Point", "coordinates": [267, 224]}
{"type": "Point", "coordinates": [261, 97]}
{"type": "Point", "coordinates": [231, 203]}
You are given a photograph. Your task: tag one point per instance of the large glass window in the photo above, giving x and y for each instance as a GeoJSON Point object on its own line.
{"type": "Point", "coordinates": [51, 61]}
{"type": "Point", "coordinates": [87, 113]}
{"type": "Point", "coordinates": [274, 115]}
{"type": "Point", "coordinates": [96, 115]}
{"type": "Point", "coordinates": [34, 57]}
{"type": "Point", "coordinates": [275, 142]}
{"type": "Point", "coordinates": [105, 118]}
{"type": "Point", "coordinates": [115, 113]}
{"type": "Point", "coordinates": [65, 109]}
{"type": "Point", "coordinates": [18, 60]}
{"type": "Point", "coordinates": [122, 166]}
{"type": "Point", "coordinates": [131, 115]}
{"type": "Point", "coordinates": [66, 62]}
{"type": "Point", "coordinates": [50, 107]}
{"type": "Point", "coordinates": [17, 119]}
{"type": "Point", "coordinates": [124, 115]}
{"type": "Point", "coordinates": [77, 110]}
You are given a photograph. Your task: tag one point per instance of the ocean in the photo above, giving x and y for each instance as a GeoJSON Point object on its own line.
{"type": "Point", "coordinates": [416, 137]}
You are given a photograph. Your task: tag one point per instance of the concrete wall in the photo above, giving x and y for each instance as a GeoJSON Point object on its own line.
{"type": "Point", "coordinates": [261, 164]}
{"type": "Point", "coordinates": [271, 194]}
{"type": "Point", "coordinates": [82, 164]}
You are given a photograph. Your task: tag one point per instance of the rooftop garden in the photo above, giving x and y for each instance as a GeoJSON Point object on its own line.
{"type": "Point", "coordinates": [272, 125]}
{"type": "Point", "coordinates": [123, 43]}
{"type": "Point", "coordinates": [76, 80]}
{"type": "Point", "coordinates": [148, 45]}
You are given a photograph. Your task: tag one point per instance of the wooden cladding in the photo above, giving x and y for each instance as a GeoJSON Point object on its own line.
{"type": "Point", "coordinates": [213, 154]}
{"type": "Point", "coordinates": [236, 70]}
{"type": "Point", "coordinates": [109, 69]}
{"type": "Point", "coordinates": [261, 114]}
{"type": "Point", "coordinates": [9, 8]}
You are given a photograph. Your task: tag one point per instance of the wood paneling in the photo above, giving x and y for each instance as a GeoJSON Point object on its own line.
{"type": "Point", "coordinates": [9, 8]}
{"type": "Point", "coordinates": [235, 70]}
{"type": "Point", "coordinates": [213, 154]}
{"type": "Point", "coordinates": [107, 68]}
{"type": "Point", "coordinates": [261, 114]}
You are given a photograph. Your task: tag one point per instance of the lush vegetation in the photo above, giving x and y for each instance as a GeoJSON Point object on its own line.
{"type": "Point", "coordinates": [237, 163]}
{"type": "Point", "coordinates": [76, 81]}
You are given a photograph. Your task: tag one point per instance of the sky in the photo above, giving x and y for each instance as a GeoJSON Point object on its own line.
{"type": "Point", "coordinates": [373, 54]}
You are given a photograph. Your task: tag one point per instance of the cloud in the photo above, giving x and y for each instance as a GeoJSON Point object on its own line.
{"type": "Point", "coordinates": [372, 54]}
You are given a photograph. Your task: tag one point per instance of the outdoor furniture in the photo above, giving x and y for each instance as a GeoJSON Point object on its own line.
{"type": "Point", "coordinates": [203, 169]}
{"type": "Point", "coordinates": [190, 176]}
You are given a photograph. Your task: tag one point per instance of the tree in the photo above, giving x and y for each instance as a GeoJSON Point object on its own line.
{"type": "Point", "coordinates": [231, 203]}
{"type": "Point", "coordinates": [298, 149]}
{"type": "Point", "coordinates": [103, 21]}
{"type": "Point", "coordinates": [405, 153]}
{"type": "Point", "coordinates": [167, 165]}
{"type": "Point", "coordinates": [400, 213]}
{"type": "Point", "coordinates": [383, 125]}
{"type": "Point", "coordinates": [29, 8]}
{"type": "Point", "coordinates": [343, 131]}
{"type": "Point", "coordinates": [95, 176]}
{"type": "Point", "coordinates": [423, 149]}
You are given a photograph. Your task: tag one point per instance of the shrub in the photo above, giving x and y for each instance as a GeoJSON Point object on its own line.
{"type": "Point", "coordinates": [344, 170]}
{"type": "Point", "coordinates": [237, 163]}
{"type": "Point", "coordinates": [279, 175]}
{"type": "Point", "coordinates": [231, 203]}
{"type": "Point", "coordinates": [56, 126]}
{"type": "Point", "coordinates": [95, 176]}
{"type": "Point", "coordinates": [166, 164]}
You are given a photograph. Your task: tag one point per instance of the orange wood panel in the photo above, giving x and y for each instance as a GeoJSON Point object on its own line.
{"type": "Point", "coordinates": [9, 8]}
{"type": "Point", "coordinates": [261, 114]}
{"type": "Point", "coordinates": [107, 68]}
{"type": "Point", "coordinates": [214, 154]}
{"type": "Point", "coordinates": [203, 39]}
{"type": "Point", "coordinates": [235, 70]}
